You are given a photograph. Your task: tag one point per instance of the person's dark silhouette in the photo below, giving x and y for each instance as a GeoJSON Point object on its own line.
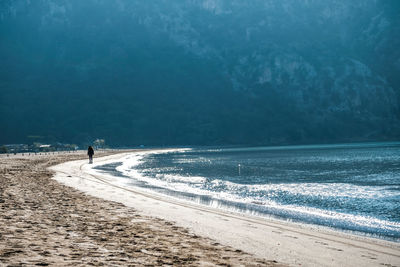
{"type": "Point", "coordinates": [90, 153]}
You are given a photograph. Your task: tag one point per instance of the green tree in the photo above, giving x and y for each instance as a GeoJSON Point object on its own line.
{"type": "Point", "coordinates": [3, 149]}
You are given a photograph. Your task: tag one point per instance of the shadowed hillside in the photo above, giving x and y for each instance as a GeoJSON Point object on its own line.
{"type": "Point", "coordinates": [199, 72]}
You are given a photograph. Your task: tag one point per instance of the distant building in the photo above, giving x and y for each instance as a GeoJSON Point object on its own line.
{"type": "Point", "coordinates": [36, 147]}
{"type": "Point", "coordinates": [14, 148]}
{"type": "Point", "coordinates": [45, 148]}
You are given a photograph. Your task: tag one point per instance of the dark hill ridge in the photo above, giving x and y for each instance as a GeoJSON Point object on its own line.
{"type": "Point", "coordinates": [200, 72]}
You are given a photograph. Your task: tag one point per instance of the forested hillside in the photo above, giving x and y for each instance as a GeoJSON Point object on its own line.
{"type": "Point", "coordinates": [199, 72]}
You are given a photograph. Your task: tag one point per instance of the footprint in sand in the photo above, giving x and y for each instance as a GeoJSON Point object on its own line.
{"type": "Point", "coordinates": [387, 264]}
{"type": "Point", "coordinates": [336, 249]}
{"type": "Point", "coordinates": [368, 257]}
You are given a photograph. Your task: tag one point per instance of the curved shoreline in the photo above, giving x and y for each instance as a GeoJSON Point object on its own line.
{"type": "Point", "coordinates": [352, 223]}
{"type": "Point", "coordinates": [285, 242]}
{"type": "Point", "coordinates": [43, 222]}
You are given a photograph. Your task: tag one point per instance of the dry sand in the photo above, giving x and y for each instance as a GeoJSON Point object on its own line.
{"type": "Point", "coordinates": [289, 243]}
{"type": "Point", "coordinates": [43, 222]}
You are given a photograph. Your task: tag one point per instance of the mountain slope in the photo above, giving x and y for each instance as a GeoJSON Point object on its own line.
{"type": "Point", "coordinates": [199, 72]}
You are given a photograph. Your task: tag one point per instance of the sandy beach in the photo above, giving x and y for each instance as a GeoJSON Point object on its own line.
{"type": "Point", "coordinates": [46, 220]}
{"type": "Point", "coordinates": [43, 222]}
{"type": "Point", "coordinates": [268, 239]}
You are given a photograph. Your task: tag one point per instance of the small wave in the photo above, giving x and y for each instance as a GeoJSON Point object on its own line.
{"type": "Point", "coordinates": [181, 179]}
{"type": "Point", "coordinates": [284, 200]}
{"type": "Point", "coordinates": [313, 189]}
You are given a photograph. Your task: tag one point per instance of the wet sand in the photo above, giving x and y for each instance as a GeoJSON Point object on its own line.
{"type": "Point", "coordinates": [43, 222]}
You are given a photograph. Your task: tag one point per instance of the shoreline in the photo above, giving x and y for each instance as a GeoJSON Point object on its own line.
{"type": "Point", "coordinates": [226, 208]}
{"type": "Point", "coordinates": [43, 222]}
{"type": "Point", "coordinates": [284, 242]}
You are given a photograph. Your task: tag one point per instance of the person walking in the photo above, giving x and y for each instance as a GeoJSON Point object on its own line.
{"type": "Point", "coordinates": [90, 153]}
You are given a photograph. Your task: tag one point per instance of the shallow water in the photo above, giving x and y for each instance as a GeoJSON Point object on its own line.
{"type": "Point", "coordinates": [353, 187]}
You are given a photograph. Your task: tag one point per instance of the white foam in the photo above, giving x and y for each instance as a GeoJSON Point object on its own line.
{"type": "Point", "coordinates": [219, 191]}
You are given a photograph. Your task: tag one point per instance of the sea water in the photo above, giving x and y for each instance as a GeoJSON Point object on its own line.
{"type": "Point", "coordinates": [351, 187]}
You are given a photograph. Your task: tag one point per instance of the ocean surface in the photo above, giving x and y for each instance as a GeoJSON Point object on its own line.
{"type": "Point", "coordinates": [348, 187]}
